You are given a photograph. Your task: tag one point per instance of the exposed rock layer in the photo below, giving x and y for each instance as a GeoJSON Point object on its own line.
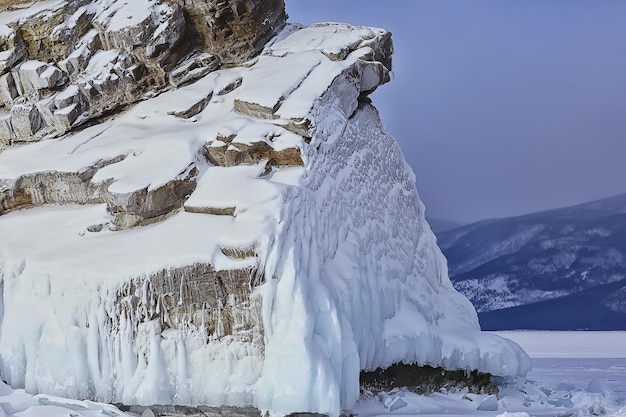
{"type": "Point", "coordinates": [215, 303]}
{"type": "Point", "coordinates": [233, 30]}
{"type": "Point", "coordinates": [77, 60]}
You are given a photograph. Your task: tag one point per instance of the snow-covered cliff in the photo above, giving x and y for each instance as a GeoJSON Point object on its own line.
{"type": "Point", "coordinates": [246, 233]}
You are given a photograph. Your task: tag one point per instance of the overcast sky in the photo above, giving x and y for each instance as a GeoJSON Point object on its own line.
{"type": "Point", "coordinates": [501, 107]}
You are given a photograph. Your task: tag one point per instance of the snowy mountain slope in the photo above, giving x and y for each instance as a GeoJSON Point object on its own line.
{"type": "Point", "coordinates": [590, 309]}
{"type": "Point", "coordinates": [501, 264]}
{"type": "Point", "coordinates": [238, 233]}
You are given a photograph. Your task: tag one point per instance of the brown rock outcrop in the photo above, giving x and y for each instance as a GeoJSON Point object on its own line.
{"type": "Point", "coordinates": [213, 302]}
{"type": "Point", "coordinates": [136, 208]}
{"type": "Point", "coordinates": [105, 58]}
{"type": "Point", "coordinates": [234, 30]}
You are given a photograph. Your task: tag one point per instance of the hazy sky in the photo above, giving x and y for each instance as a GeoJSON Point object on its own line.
{"type": "Point", "coordinates": [501, 107]}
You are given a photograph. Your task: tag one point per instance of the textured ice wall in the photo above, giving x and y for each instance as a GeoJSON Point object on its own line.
{"type": "Point", "coordinates": [359, 280]}
{"type": "Point", "coordinates": [65, 333]}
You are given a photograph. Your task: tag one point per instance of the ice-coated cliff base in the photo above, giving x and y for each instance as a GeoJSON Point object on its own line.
{"type": "Point", "coordinates": [525, 399]}
{"type": "Point", "coordinates": [250, 236]}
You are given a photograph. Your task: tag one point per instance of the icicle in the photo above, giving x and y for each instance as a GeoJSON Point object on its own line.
{"type": "Point", "coordinates": [180, 291]}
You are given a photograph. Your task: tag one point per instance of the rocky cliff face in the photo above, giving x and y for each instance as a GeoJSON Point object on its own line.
{"type": "Point", "coordinates": [67, 62]}
{"type": "Point", "coordinates": [199, 205]}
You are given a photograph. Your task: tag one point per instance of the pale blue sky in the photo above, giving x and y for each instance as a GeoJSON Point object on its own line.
{"type": "Point", "coordinates": [501, 107]}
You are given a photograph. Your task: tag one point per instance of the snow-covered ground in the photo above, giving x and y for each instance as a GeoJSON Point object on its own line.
{"type": "Point", "coordinates": [559, 385]}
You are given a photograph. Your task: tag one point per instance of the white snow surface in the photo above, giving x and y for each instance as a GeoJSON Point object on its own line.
{"type": "Point", "coordinates": [354, 278]}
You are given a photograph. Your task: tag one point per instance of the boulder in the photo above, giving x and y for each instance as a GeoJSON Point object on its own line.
{"type": "Point", "coordinates": [26, 120]}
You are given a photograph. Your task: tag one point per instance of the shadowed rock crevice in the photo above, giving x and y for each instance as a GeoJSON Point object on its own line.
{"type": "Point", "coordinates": [425, 379]}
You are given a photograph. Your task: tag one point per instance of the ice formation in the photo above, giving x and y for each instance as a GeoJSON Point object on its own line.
{"type": "Point", "coordinates": [245, 235]}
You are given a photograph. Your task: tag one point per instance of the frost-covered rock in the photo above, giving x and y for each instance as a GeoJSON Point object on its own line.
{"type": "Point", "coordinates": [252, 236]}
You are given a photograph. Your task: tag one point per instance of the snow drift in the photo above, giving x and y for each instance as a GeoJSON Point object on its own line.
{"type": "Point", "coordinates": [250, 236]}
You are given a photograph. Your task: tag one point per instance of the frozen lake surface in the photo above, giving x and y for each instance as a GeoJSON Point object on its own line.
{"type": "Point", "coordinates": [566, 344]}
{"type": "Point", "coordinates": [577, 372]}
{"type": "Point", "coordinates": [575, 358]}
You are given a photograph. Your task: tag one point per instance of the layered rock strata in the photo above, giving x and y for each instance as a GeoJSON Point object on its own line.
{"type": "Point", "coordinates": [65, 62]}
{"type": "Point", "coordinates": [243, 235]}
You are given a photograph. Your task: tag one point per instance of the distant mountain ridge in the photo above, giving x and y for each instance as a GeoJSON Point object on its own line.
{"type": "Point", "coordinates": [442, 225]}
{"type": "Point", "coordinates": [533, 271]}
